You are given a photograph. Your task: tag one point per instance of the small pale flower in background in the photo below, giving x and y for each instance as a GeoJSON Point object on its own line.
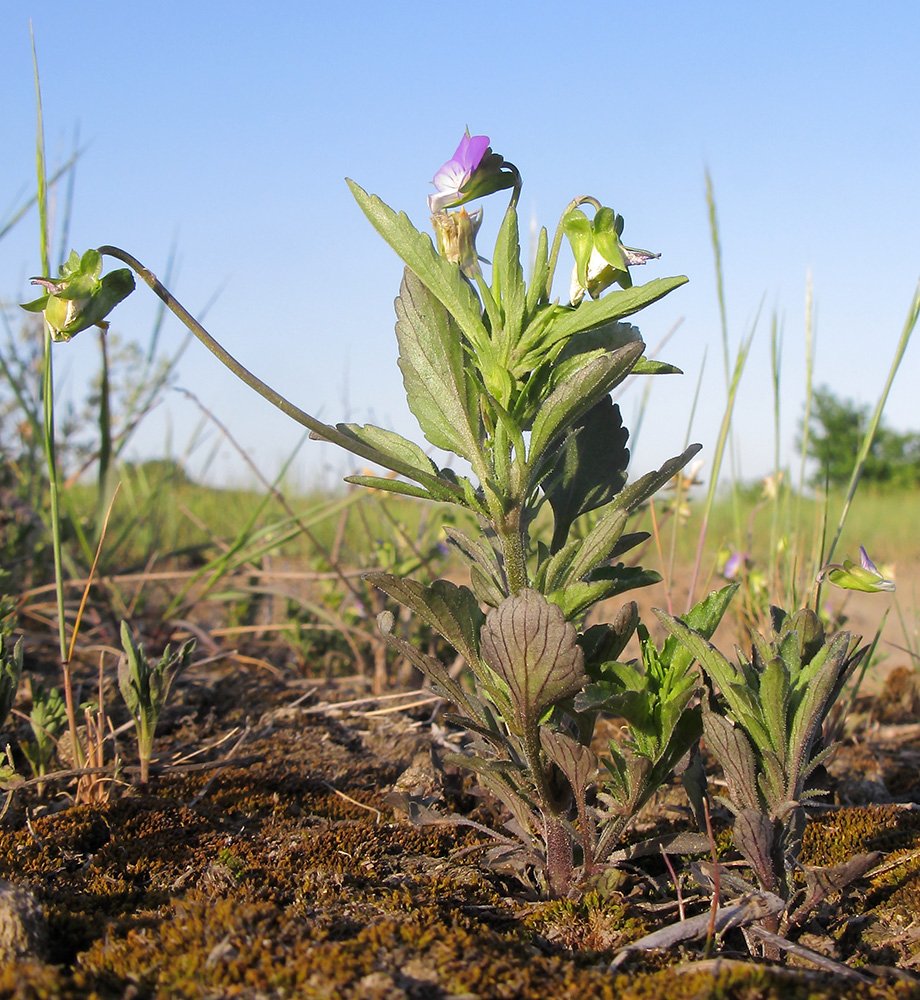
{"type": "Point", "coordinates": [733, 566]}
{"type": "Point", "coordinates": [687, 478]}
{"type": "Point", "coordinates": [770, 485]}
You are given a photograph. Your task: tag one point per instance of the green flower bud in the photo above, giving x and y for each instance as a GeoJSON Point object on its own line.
{"type": "Point", "coordinates": [80, 299]}
{"type": "Point", "coordinates": [865, 576]}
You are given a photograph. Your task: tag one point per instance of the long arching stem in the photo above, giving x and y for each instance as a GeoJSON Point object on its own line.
{"type": "Point", "coordinates": [326, 432]}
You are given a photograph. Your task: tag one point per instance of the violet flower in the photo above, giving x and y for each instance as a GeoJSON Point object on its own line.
{"type": "Point", "coordinates": [454, 175]}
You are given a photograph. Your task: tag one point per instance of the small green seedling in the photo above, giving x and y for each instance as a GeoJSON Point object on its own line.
{"type": "Point", "coordinates": [10, 672]}
{"type": "Point", "coordinates": [763, 721]}
{"type": "Point", "coordinates": [48, 720]}
{"type": "Point", "coordinates": [145, 689]}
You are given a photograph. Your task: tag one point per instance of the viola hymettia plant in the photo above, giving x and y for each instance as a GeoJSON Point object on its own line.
{"type": "Point", "coordinates": [515, 383]}
{"type": "Point", "coordinates": [145, 688]}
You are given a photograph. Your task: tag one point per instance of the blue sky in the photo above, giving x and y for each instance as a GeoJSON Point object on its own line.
{"type": "Point", "coordinates": [226, 129]}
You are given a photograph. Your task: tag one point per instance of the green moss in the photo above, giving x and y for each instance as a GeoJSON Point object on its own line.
{"type": "Point", "coordinates": [836, 836]}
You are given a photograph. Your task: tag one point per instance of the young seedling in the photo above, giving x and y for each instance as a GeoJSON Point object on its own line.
{"type": "Point", "coordinates": [48, 720]}
{"type": "Point", "coordinates": [145, 689]}
{"type": "Point", "coordinates": [762, 720]}
{"type": "Point", "coordinates": [10, 672]}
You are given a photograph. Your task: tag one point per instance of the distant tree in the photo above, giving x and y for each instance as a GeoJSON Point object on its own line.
{"type": "Point", "coordinates": [837, 430]}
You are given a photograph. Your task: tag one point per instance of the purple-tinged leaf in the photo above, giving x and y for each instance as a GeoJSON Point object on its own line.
{"type": "Point", "coordinates": [530, 646]}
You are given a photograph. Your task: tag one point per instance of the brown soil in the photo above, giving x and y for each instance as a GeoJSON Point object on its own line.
{"type": "Point", "coordinates": [283, 871]}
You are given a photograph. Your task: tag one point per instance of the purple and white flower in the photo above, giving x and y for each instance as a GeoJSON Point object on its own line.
{"type": "Point", "coordinates": [456, 173]}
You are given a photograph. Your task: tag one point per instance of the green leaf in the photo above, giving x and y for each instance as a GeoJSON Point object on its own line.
{"type": "Point", "coordinates": [432, 668]}
{"type": "Point", "coordinates": [531, 647]}
{"type": "Point", "coordinates": [508, 278]}
{"type": "Point", "coordinates": [393, 451]}
{"type": "Point", "coordinates": [390, 486]}
{"type": "Point", "coordinates": [638, 492]}
{"type": "Point", "coordinates": [774, 700]}
{"type": "Point", "coordinates": [10, 672]}
{"type": "Point", "coordinates": [614, 305]}
{"type": "Point", "coordinates": [590, 468]}
{"type": "Point", "coordinates": [645, 367]}
{"type": "Point", "coordinates": [703, 618]}
{"type": "Point", "coordinates": [450, 609]}
{"type": "Point", "coordinates": [584, 347]}
{"type": "Point", "coordinates": [440, 277]}
{"type": "Point", "coordinates": [536, 291]}
{"type": "Point", "coordinates": [441, 395]}
{"type": "Point", "coordinates": [569, 401]}
{"type": "Point", "coordinates": [710, 659]}
{"type": "Point", "coordinates": [598, 545]}
{"type": "Point", "coordinates": [578, 597]}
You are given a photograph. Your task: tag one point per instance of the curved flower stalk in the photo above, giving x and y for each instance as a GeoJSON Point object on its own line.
{"type": "Point", "coordinates": [518, 386]}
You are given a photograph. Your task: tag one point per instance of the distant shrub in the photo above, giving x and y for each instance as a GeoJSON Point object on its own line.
{"type": "Point", "coordinates": [837, 428]}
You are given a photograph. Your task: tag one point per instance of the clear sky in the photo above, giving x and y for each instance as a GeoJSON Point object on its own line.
{"type": "Point", "coordinates": [226, 129]}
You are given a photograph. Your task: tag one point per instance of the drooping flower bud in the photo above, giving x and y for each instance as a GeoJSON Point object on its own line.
{"type": "Point", "coordinates": [865, 577]}
{"type": "Point", "coordinates": [601, 258]}
{"type": "Point", "coordinates": [79, 298]}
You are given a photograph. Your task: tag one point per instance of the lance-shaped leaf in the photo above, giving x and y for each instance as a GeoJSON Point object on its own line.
{"type": "Point", "coordinates": [387, 485]}
{"type": "Point", "coordinates": [598, 545]}
{"type": "Point", "coordinates": [536, 290]}
{"type": "Point", "coordinates": [508, 278]}
{"type": "Point", "coordinates": [754, 834]}
{"type": "Point", "coordinates": [613, 306]}
{"type": "Point", "coordinates": [451, 610]}
{"type": "Point", "coordinates": [569, 401]}
{"type": "Point", "coordinates": [733, 752]}
{"type": "Point", "coordinates": [774, 700]}
{"type": "Point", "coordinates": [645, 366]}
{"type": "Point", "coordinates": [638, 492]}
{"type": "Point", "coordinates": [431, 358]}
{"type": "Point", "coordinates": [439, 276]}
{"type": "Point", "coordinates": [590, 467]}
{"type": "Point", "coordinates": [584, 347]}
{"type": "Point", "coordinates": [606, 582]}
{"type": "Point", "coordinates": [703, 618]}
{"type": "Point", "coordinates": [432, 668]}
{"type": "Point", "coordinates": [818, 698]}
{"type": "Point", "coordinates": [393, 451]}
{"type": "Point", "coordinates": [480, 556]}
{"type": "Point", "coordinates": [10, 672]}
{"type": "Point", "coordinates": [528, 643]}
{"type": "Point", "coordinates": [713, 662]}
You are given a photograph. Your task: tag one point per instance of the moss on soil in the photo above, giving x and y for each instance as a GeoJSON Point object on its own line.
{"type": "Point", "coordinates": [290, 878]}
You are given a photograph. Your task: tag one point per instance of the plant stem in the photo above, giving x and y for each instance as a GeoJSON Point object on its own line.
{"type": "Point", "coordinates": [325, 432]}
